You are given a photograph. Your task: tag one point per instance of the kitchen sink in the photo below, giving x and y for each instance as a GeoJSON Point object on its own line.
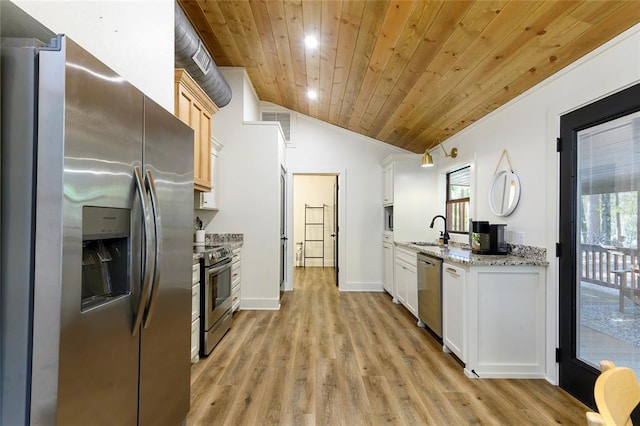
{"type": "Point", "coordinates": [423, 243]}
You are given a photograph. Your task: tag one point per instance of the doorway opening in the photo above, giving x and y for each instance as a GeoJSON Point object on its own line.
{"type": "Point", "coordinates": [315, 222]}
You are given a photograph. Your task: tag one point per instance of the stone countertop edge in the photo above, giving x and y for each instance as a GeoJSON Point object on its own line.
{"type": "Point", "coordinates": [465, 257]}
{"type": "Point", "coordinates": [233, 241]}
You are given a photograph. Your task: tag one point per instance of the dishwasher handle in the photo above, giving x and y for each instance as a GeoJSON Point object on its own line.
{"type": "Point", "coordinates": [427, 263]}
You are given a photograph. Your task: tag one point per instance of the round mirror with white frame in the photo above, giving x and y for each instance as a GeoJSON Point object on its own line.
{"type": "Point", "coordinates": [504, 193]}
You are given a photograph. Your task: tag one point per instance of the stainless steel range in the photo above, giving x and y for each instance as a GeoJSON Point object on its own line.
{"type": "Point", "coordinates": [215, 296]}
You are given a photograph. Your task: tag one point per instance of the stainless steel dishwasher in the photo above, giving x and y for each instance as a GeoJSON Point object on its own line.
{"type": "Point", "coordinates": [430, 292]}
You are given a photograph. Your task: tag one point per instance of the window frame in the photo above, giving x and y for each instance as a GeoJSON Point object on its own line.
{"type": "Point", "coordinates": [455, 201]}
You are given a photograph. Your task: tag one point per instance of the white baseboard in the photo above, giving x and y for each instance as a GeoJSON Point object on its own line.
{"type": "Point", "coordinates": [260, 304]}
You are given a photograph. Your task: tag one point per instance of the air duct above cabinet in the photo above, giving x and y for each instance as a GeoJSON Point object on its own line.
{"type": "Point", "coordinates": [192, 55]}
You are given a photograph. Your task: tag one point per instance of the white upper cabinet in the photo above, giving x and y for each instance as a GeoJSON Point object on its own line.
{"type": "Point", "coordinates": [210, 200]}
{"type": "Point", "coordinates": [387, 174]}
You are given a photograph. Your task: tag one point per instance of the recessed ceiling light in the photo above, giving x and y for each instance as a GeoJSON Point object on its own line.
{"type": "Point", "coordinates": [311, 42]}
{"type": "Point", "coordinates": [312, 94]}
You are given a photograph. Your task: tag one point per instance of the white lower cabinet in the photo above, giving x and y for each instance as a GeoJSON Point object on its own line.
{"type": "Point", "coordinates": [195, 313]}
{"type": "Point", "coordinates": [454, 310]}
{"type": "Point", "coordinates": [235, 280]}
{"type": "Point", "coordinates": [406, 272]}
{"type": "Point", "coordinates": [387, 273]}
{"type": "Point", "coordinates": [506, 322]}
{"type": "Point", "coordinates": [494, 319]}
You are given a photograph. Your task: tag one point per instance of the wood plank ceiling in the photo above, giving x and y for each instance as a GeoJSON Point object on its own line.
{"type": "Point", "coordinates": [408, 73]}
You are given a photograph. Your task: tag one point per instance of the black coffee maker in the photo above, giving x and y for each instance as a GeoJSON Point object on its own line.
{"type": "Point", "coordinates": [485, 238]}
{"type": "Point", "coordinates": [497, 240]}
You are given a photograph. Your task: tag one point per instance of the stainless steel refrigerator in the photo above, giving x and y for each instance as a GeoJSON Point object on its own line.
{"type": "Point", "coordinates": [97, 186]}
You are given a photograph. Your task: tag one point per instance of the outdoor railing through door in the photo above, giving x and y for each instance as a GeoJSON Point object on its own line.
{"type": "Point", "coordinates": [606, 266]}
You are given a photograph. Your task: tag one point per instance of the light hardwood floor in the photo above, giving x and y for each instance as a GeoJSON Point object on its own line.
{"type": "Point", "coordinates": [331, 358]}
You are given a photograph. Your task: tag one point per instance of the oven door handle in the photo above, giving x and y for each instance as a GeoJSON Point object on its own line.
{"type": "Point", "coordinates": [216, 269]}
{"type": "Point", "coordinates": [146, 276]}
{"type": "Point", "coordinates": [158, 261]}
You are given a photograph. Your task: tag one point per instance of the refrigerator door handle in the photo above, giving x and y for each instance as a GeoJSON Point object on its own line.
{"type": "Point", "coordinates": [158, 251]}
{"type": "Point", "coordinates": [146, 279]}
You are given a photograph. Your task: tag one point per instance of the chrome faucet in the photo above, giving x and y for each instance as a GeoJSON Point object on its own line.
{"type": "Point", "coordinates": [445, 234]}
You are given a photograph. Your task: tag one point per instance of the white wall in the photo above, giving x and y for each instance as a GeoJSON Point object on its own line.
{"type": "Point", "coordinates": [528, 127]}
{"type": "Point", "coordinates": [314, 190]}
{"type": "Point", "coordinates": [319, 147]}
{"type": "Point", "coordinates": [250, 165]}
{"type": "Point", "coordinates": [414, 198]}
{"type": "Point", "coordinates": [251, 105]}
{"type": "Point", "coordinates": [134, 38]}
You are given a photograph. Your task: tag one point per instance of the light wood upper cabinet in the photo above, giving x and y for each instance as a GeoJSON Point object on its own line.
{"type": "Point", "coordinates": [196, 109]}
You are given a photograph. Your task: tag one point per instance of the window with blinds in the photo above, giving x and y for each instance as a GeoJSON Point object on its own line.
{"type": "Point", "coordinates": [458, 196]}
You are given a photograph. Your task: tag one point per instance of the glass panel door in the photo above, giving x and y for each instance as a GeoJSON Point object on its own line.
{"type": "Point", "coordinates": [607, 284]}
{"type": "Point", "coordinates": [599, 276]}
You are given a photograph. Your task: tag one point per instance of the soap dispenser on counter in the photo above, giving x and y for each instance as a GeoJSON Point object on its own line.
{"type": "Point", "coordinates": [442, 240]}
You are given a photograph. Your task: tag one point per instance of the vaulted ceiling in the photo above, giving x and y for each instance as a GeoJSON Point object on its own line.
{"type": "Point", "coordinates": [408, 73]}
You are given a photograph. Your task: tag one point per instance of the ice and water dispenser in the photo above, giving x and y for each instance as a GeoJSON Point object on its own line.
{"type": "Point", "coordinates": [105, 255]}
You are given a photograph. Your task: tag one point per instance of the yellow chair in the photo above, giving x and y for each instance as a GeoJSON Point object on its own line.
{"type": "Point", "coordinates": [617, 393]}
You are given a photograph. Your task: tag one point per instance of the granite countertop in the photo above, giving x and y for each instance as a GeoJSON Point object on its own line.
{"type": "Point", "coordinates": [464, 255]}
{"type": "Point", "coordinates": [233, 241]}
